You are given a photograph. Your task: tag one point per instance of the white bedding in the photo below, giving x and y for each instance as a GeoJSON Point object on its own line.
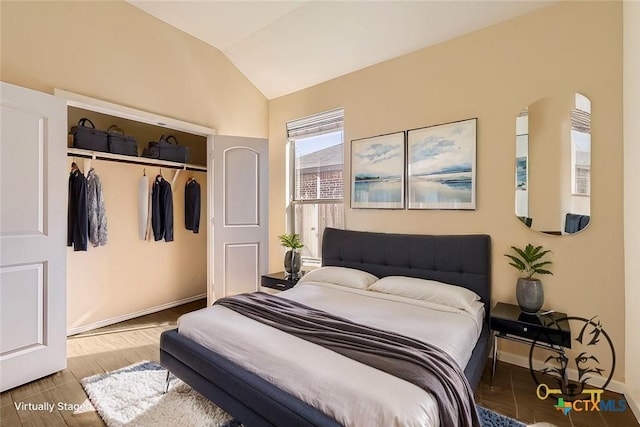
{"type": "Point", "coordinates": [352, 393]}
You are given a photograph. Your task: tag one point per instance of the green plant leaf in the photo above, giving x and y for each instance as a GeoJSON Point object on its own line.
{"type": "Point", "coordinates": [543, 272]}
{"type": "Point", "coordinates": [517, 263]}
{"type": "Point", "coordinates": [516, 266]}
{"type": "Point", "coordinates": [529, 260]}
{"type": "Point", "coordinates": [538, 256]}
{"type": "Point", "coordinates": [523, 254]}
{"type": "Point", "coordinates": [291, 241]}
{"type": "Point", "coordinates": [540, 264]}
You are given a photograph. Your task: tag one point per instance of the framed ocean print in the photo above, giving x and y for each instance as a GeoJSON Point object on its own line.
{"type": "Point", "coordinates": [377, 172]}
{"type": "Point", "coordinates": [522, 162]}
{"type": "Point", "coordinates": [441, 170]}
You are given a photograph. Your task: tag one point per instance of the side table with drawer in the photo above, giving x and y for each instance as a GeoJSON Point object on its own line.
{"type": "Point", "coordinates": [549, 330]}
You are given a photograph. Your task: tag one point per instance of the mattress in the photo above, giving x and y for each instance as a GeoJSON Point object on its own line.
{"type": "Point", "coordinates": [350, 392]}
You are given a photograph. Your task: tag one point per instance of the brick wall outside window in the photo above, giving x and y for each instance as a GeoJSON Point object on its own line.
{"type": "Point", "coordinates": [331, 185]}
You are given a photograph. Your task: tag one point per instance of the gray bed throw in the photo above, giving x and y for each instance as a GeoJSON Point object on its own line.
{"type": "Point", "coordinates": [415, 361]}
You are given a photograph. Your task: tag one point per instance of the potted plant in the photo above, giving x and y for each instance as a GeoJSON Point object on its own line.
{"type": "Point", "coordinates": [292, 258]}
{"type": "Point", "coordinates": [529, 290]}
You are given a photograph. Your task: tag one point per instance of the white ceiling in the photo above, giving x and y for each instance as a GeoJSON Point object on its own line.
{"type": "Point", "coordinates": [285, 46]}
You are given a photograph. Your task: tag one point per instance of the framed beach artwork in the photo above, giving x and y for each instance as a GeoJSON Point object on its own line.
{"type": "Point", "coordinates": [521, 173]}
{"type": "Point", "coordinates": [377, 172]}
{"type": "Point", "coordinates": [442, 166]}
{"type": "Point", "coordinates": [522, 161]}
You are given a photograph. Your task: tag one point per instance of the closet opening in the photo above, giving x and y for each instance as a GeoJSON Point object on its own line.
{"type": "Point", "coordinates": [141, 265]}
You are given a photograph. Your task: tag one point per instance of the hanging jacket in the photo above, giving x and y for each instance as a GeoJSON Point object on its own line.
{"type": "Point", "coordinates": [162, 210]}
{"type": "Point", "coordinates": [77, 219]}
{"type": "Point", "coordinates": [192, 205]}
{"type": "Point", "coordinates": [96, 210]}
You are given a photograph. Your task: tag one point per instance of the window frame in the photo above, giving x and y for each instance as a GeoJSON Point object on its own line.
{"type": "Point", "coordinates": [580, 128]}
{"type": "Point", "coordinates": [292, 178]}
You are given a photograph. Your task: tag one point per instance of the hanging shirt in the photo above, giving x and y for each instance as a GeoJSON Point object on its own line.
{"type": "Point", "coordinates": [143, 206]}
{"type": "Point", "coordinates": [77, 218]}
{"type": "Point", "coordinates": [162, 210]}
{"type": "Point", "coordinates": [192, 205]}
{"type": "Point", "coordinates": [96, 210]}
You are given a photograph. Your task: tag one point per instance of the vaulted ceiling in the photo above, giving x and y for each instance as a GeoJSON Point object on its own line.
{"type": "Point", "coordinates": [285, 46]}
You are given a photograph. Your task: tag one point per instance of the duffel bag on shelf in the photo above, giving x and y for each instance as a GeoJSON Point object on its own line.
{"type": "Point", "coordinates": [119, 143]}
{"type": "Point", "coordinates": [89, 138]}
{"type": "Point", "coordinates": [165, 150]}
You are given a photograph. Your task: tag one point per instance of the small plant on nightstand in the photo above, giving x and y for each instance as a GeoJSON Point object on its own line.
{"type": "Point", "coordinates": [529, 290]}
{"type": "Point", "coordinates": [292, 258]}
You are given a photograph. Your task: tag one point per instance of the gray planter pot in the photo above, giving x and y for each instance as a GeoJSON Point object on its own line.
{"type": "Point", "coordinates": [292, 262]}
{"type": "Point", "coordinates": [530, 295]}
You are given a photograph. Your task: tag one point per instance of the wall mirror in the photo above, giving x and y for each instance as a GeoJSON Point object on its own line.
{"type": "Point", "coordinates": [553, 164]}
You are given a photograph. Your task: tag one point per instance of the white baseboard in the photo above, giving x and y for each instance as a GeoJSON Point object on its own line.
{"type": "Point", "coordinates": [633, 404]}
{"type": "Point", "coordinates": [130, 316]}
{"type": "Point", "coordinates": [522, 361]}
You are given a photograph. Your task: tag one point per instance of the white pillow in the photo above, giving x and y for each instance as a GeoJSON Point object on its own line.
{"type": "Point", "coordinates": [427, 290]}
{"type": "Point", "coordinates": [343, 276]}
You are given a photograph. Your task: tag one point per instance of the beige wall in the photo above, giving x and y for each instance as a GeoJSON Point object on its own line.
{"type": "Point", "coordinates": [631, 199]}
{"type": "Point", "coordinates": [112, 51]}
{"type": "Point", "coordinates": [493, 74]}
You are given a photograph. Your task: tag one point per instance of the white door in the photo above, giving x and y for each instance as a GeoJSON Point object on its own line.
{"type": "Point", "coordinates": [33, 270]}
{"type": "Point", "coordinates": [240, 218]}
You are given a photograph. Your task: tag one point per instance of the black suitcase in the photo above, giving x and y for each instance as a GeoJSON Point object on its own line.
{"type": "Point", "coordinates": [119, 143]}
{"type": "Point", "coordinates": [89, 138]}
{"type": "Point", "coordinates": [165, 150]}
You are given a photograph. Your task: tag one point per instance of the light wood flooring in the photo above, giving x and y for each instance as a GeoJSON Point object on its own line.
{"type": "Point", "coordinates": [98, 351]}
{"type": "Point", "coordinates": [129, 342]}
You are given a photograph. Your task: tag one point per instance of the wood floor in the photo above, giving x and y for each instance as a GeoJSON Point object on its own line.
{"type": "Point", "coordinates": [514, 394]}
{"type": "Point", "coordinates": [116, 346]}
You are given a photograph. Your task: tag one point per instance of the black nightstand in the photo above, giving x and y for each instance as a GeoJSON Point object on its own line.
{"type": "Point", "coordinates": [550, 331]}
{"type": "Point", "coordinates": [280, 280]}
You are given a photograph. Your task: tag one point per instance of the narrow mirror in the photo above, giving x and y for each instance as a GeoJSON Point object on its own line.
{"type": "Point", "coordinates": [553, 165]}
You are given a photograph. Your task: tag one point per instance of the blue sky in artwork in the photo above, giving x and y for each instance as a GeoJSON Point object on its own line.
{"type": "Point", "coordinates": [442, 149]}
{"type": "Point", "coordinates": [431, 146]}
{"type": "Point", "coordinates": [381, 156]}
{"type": "Point", "coordinates": [378, 153]}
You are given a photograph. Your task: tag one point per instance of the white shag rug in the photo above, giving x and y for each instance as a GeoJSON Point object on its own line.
{"type": "Point", "coordinates": [134, 396]}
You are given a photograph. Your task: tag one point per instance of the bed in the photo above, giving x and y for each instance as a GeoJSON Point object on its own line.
{"type": "Point", "coordinates": [263, 398]}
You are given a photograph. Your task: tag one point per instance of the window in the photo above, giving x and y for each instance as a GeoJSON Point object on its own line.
{"type": "Point", "coordinates": [316, 193]}
{"type": "Point", "coordinates": [581, 147]}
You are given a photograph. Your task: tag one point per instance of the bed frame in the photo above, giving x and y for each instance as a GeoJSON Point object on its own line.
{"type": "Point", "coordinates": [463, 260]}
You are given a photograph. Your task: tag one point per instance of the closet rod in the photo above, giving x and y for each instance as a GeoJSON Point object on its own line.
{"type": "Point", "coordinates": [77, 152]}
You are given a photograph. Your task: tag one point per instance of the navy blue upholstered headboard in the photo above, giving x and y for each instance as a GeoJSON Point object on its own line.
{"type": "Point", "coordinates": [463, 260]}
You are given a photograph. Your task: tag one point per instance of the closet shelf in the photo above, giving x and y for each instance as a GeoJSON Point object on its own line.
{"type": "Point", "coordinates": [100, 155]}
